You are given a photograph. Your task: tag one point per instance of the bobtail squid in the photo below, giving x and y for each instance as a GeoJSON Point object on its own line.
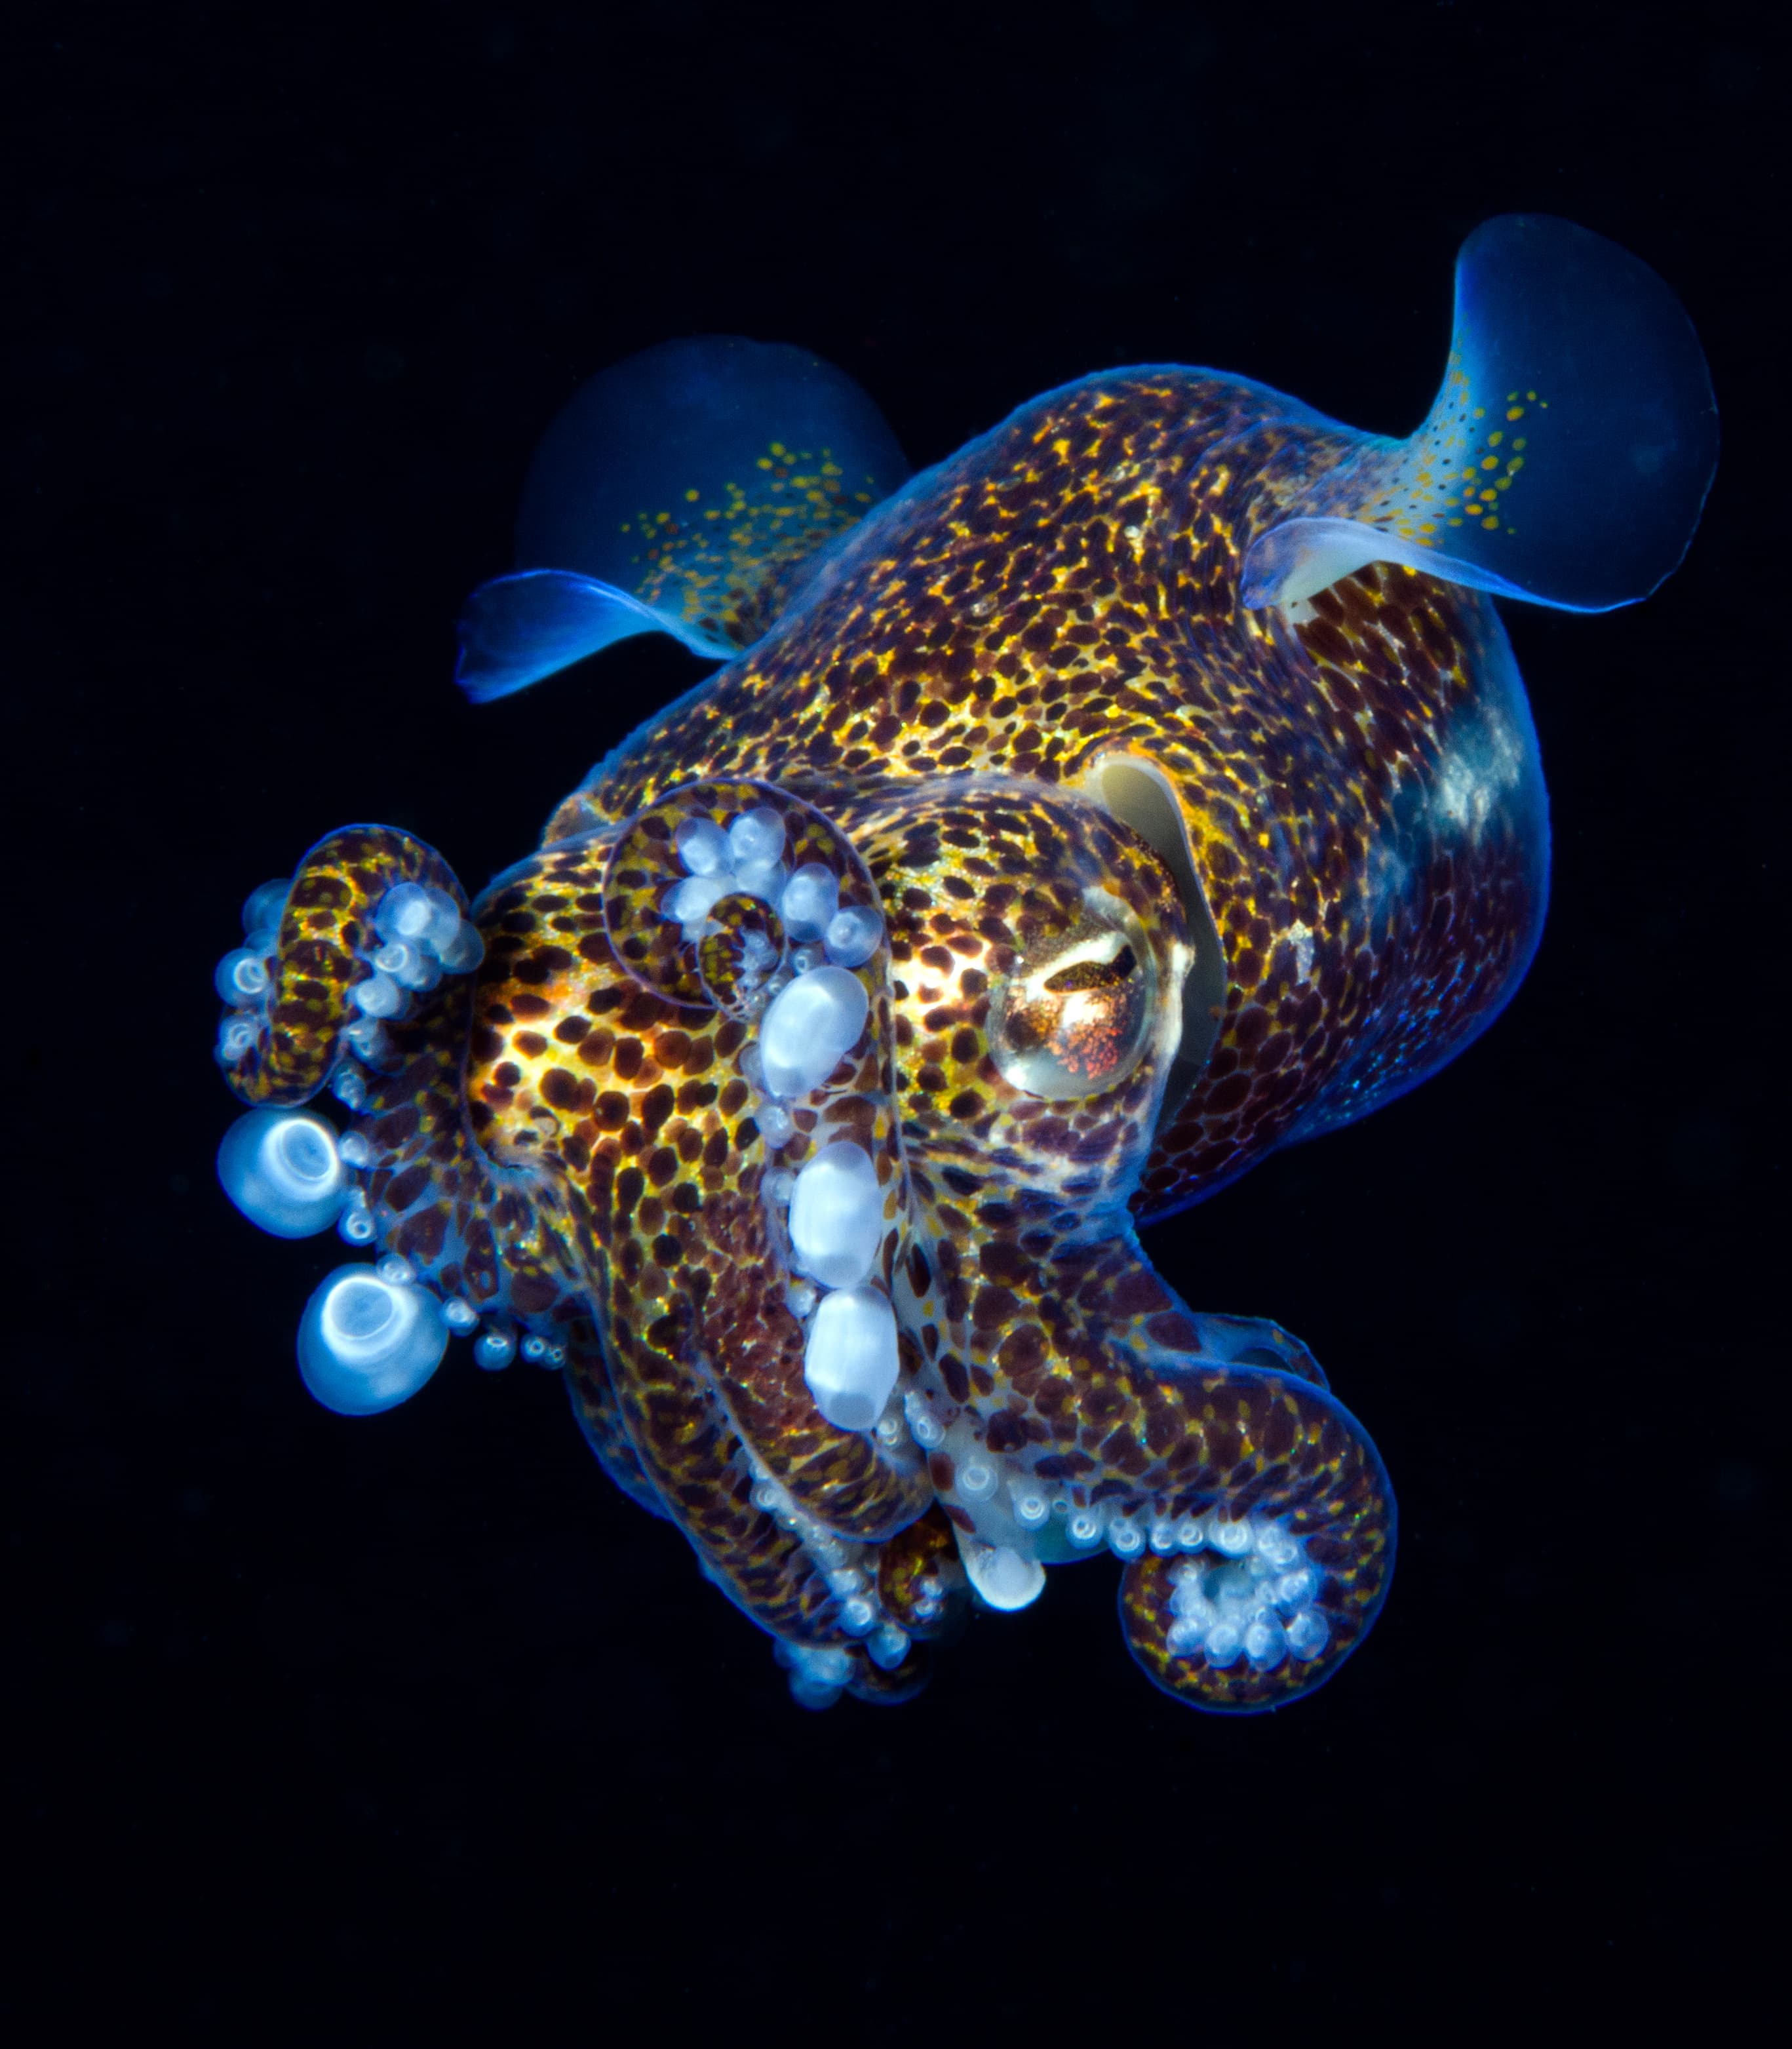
{"type": "Point", "coordinates": [1145, 787]}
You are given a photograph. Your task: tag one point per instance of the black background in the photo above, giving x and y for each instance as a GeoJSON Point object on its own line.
{"type": "Point", "coordinates": [415, 1719]}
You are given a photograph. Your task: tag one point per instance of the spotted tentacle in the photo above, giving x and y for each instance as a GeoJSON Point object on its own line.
{"type": "Point", "coordinates": [288, 1039]}
{"type": "Point", "coordinates": [648, 1105]}
{"type": "Point", "coordinates": [1303, 1492]}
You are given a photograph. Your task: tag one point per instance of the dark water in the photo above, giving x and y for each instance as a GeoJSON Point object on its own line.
{"type": "Point", "coordinates": [416, 1719]}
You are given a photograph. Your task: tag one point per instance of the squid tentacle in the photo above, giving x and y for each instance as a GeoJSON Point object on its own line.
{"type": "Point", "coordinates": [508, 1237]}
{"type": "Point", "coordinates": [494, 1239]}
{"type": "Point", "coordinates": [286, 1044]}
{"type": "Point", "coordinates": [648, 1107]}
{"type": "Point", "coordinates": [1300, 1541]}
{"type": "Point", "coordinates": [748, 1302]}
{"type": "Point", "coordinates": [1254, 1509]}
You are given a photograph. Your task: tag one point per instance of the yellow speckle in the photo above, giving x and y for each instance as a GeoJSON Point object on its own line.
{"type": "Point", "coordinates": [1489, 462]}
{"type": "Point", "coordinates": [1515, 412]}
{"type": "Point", "coordinates": [1496, 438]}
{"type": "Point", "coordinates": [1480, 413]}
{"type": "Point", "coordinates": [765, 462]}
{"type": "Point", "coordinates": [1453, 523]}
{"type": "Point", "coordinates": [1531, 396]}
{"type": "Point", "coordinates": [1492, 524]}
{"type": "Point", "coordinates": [1519, 443]}
{"type": "Point", "coordinates": [690, 498]}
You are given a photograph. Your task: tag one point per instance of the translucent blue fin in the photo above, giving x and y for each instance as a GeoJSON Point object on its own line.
{"type": "Point", "coordinates": [1566, 460]}
{"type": "Point", "coordinates": [517, 629]}
{"type": "Point", "coordinates": [680, 491]}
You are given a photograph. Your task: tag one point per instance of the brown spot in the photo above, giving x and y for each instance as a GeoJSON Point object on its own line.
{"type": "Point", "coordinates": [993, 1308]}
{"type": "Point", "coordinates": [1007, 1432]}
{"type": "Point", "coordinates": [534, 1294]}
{"type": "Point", "coordinates": [1174, 1331]}
{"type": "Point", "coordinates": [1022, 1350]}
{"type": "Point", "coordinates": [565, 1092]}
{"type": "Point", "coordinates": [596, 1049]}
{"type": "Point", "coordinates": [1137, 1293]}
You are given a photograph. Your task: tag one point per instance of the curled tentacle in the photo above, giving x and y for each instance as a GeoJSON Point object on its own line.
{"type": "Point", "coordinates": [739, 953]}
{"type": "Point", "coordinates": [285, 1035]}
{"type": "Point", "coordinates": [356, 972]}
{"type": "Point", "coordinates": [675, 863]}
{"type": "Point", "coordinates": [1252, 1508]}
{"type": "Point", "coordinates": [752, 843]}
{"type": "Point", "coordinates": [1298, 1549]}
{"type": "Point", "coordinates": [371, 909]}
{"type": "Point", "coordinates": [659, 1121]}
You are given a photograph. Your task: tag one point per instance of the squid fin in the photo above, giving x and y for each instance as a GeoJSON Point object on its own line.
{"type": "Point", "coordinates": [682, 491]}
{"type": "Point", "coordinates": [517, 629]}
{"type": "Point", "coordinates": [1566, 459]}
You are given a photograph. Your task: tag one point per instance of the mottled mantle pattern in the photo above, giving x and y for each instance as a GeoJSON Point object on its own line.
{"type": "Point", "coordinates": [571, 1141]}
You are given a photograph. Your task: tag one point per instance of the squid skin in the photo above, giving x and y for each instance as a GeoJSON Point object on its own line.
{"type": "Point", "coordinates": [1164, 802]}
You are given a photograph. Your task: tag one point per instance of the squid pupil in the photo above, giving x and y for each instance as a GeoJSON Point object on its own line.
{"type": "Point", "coordinates": [1094, 974]}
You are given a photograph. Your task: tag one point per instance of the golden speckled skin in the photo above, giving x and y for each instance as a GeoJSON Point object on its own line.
{"type": "Point", "coordinates": [1066, 589]}
{"type": "Point", "coordinates": [1357, 815]}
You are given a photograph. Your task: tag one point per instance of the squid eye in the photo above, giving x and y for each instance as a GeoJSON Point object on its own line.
{"type": "Point", "coordinates": [1073, 1018]}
